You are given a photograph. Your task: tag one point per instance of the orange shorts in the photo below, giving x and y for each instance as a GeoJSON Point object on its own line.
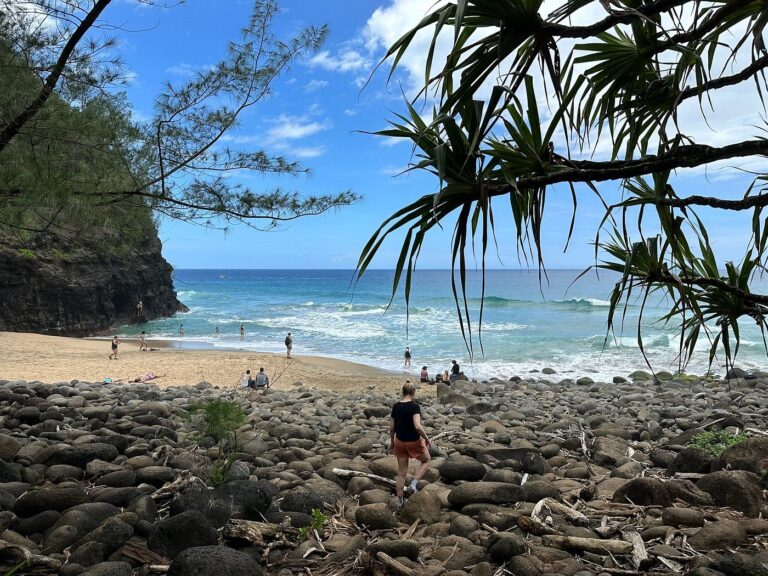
{"type": "Point", "coordinates": [410, 449]}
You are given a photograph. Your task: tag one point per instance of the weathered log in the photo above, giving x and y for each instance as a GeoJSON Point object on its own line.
{"type": "Point", "coordinates": [556, 507]}
{"type": "Point", "coordinates": [534, 527]}
{"type": "Point", "coordinates": [398, 567]}
{"type": "Point", "coordinates": [640, 557]}
{"type": "Point", "coordinates": [256, 532]}
{"type": "Point", "coordinates": [29, 558]}
{"type": "Point", "coordinates": [594, 545]}
{"type": "Point", "coordinates": [352, 473]}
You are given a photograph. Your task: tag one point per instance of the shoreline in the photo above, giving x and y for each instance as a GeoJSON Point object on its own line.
{"type": "Point", "coordinates": [36, 357]}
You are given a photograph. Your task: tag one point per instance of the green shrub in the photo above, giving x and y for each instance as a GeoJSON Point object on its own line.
{"type": "Point", "coordinates": [218, 419]}
{"type": "Point", "coordinates": [319, 520]}
{"type": "Point", "coordinates": [27, 253]}
{"type": "Point", "coordinates": [716, 442]}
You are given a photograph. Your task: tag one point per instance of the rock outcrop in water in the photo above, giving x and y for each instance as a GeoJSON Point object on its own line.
{"type": "Point", "coordinates": [65, 290]}
{"type": "Point", "coordinates": [536, 477]}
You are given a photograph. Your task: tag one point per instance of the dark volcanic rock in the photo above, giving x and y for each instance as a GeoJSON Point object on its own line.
{"type": "Point", "coordinates": [180, 532]}
{"type": "Point", "coordinates": [246, 499]}
{"type": "Point", "coordinates": [691, 460]}
{"type": "Point", "coordinates": [81, 454]}
{"type": "Point", "coordinates": [735, 488]}
{"type": "Point", "coordinates": [213, 561]}
{"type": "Point", "coordinates": [85, 293]}
{"type": "Point", "coordinates": [58, 498]}
{"type": "Point", "coordinates": [461, 469]}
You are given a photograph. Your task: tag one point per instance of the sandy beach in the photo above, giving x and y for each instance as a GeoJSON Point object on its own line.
{"type": "Point", "coordinates": [54, 359]}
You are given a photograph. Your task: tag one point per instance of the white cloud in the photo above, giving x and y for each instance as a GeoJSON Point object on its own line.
{"type": "Point", "coordinates": [314, 85]}
{"type": "Point", "coordinates": [350, 112]}
{"type": "Point", "coordinates": [307, 151]}
{"type": "Point", "coordinates": [186, 69]}
{"type": "Point", "coordinates": [294, 128]}
{"type": "Point", "coordinates": [347, 59]}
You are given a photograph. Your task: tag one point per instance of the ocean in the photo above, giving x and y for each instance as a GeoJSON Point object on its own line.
{"type": "Point", "coordinates": [527, 325]}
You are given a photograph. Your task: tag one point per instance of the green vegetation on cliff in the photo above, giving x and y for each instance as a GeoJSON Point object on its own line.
{"type": "Point", "coordinates": [56, 175]}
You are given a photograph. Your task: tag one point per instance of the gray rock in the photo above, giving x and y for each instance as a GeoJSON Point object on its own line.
{"type": "Point", "coordinates": [58, 498]}
{"type": "Point", "coordinates": [9, 446]}
{"type": "Point", "coordinates": [735, 488]}
{"type": "Point", "coordinates": [395, 548]}
{"type": "Point", "coordinates": [491, 492]}
{"type": "Point", "coordinates": [423, 506]}
{"type": "Point", "coordinates": [177, 533]}
{"type": "Point", "coordinates": [109, 569]}
{"type": "Point", "coordinates": [461, 469]}
{"type": "Point", "coordinates": [375, 516]}
{"type": "Point", "coordinates": [718, 535]}
{"type": "Point", "coordinates": [678, 517]}
{"type": "Point", "coordinates": [301, 500]}
{"type": "Point", "coordinates": [691, 460]}
{"type": "Point", "coordinates": [463, 526]}
{"type": "Point", "coordinates": [213, 561]}
{"type": "Point", "coordinates": [503, 546]}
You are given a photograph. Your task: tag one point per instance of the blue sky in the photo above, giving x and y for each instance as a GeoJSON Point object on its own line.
{"type": "Point", "coordinates": [317, 116]}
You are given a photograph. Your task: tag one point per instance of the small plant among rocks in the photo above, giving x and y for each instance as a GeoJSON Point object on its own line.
{"type": "Point", "coordinates": [716, 442]}
{"type": "Point", "coordinates": [219, 420]}
{"type": "Point", "coordinates": [319, 519]}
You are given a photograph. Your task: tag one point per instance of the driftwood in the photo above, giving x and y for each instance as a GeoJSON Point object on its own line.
{"type": "Point", "coordinates": [256, 532]}
{"type": "Point", "coordinates": [409, 533]}
{"type": "Point", "coordinates": [594, 545]}
{"type": "Point", "coordinates": [534, 527]}
{"type": "Point", "coordinates": [29, 558]}
{"type": "Point", "coordinates": [556, 507]}
{"type": "Point", "coordinates": [352, 473]}
{"type": "Point", "coordinates": [142, 554]}
{"type": "Point", "coordinates": [640, 557]}
{"type": "Point", "coordinates": [689, 475]}
{"type": "Point", "coordinates": [396, 566]}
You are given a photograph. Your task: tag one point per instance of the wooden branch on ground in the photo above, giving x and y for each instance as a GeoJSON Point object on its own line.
{"type": "Point", "coordinates": [449, 434]}
{"type": "Point", "coordinates": [640, 557]}
{"type": "Point", "coordinates": [398, 567]}
{"type": "Point", "coordinates": [352, 473]}
{"type": "Point", "coordinates": [409, 533]}
{"type": "Point", "coordinates": [689, 475]}
{"type": "Point", "coordinates": [31, 559]}
{"type": "Point", "coordinates": [556, 507]}
{"type": "Point", "coordinates": [256, 532]}
{"type": "Point", "coordinates": [594, 545]}
{"type": "Point", "coordinates": [534, 527]}
{"type": "Point", "coordinates": [756, 431]}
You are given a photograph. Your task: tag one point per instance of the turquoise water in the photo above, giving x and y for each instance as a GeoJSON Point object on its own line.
{"type": "Point", "coordinates": [526, 326]}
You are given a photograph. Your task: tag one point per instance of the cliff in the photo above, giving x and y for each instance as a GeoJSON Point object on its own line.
{"type": "Point", "coordinates": [66, 290]}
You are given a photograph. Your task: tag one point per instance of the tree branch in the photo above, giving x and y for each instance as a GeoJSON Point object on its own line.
{"type": "Point", "coordinates": [688, 156]}
{"type": "Point", "coordinates": [50, 83]}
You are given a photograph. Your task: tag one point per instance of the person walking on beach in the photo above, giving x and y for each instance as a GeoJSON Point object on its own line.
{"type": "Point", "coordinates": [408, 439]}
{"type": "Point", "coordinates": [407, 357]}
{"type": "Point", "coordinates": [288, 345]}
{"type": "Point", "coordinates": [115, 342]}
{"type": "Point", "coordinates": [143, 346]}
{"type": "Point", "coordinates": [242, 332]}
{"type": "Point", "coordinates": [181, 330]}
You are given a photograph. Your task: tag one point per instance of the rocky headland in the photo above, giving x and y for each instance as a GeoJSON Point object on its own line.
{"type": "Point", "coordinates": [529, 477]}
{"type": "Point", "coordinates": [64, 289]}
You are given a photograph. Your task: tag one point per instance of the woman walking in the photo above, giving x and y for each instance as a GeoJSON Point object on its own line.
{"type": "Point", "coordinates": [408, 439]}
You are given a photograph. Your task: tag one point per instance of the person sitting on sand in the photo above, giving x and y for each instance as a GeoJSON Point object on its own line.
{"type": "Point", "coordinates": [246, 379]}
{"type": "Point", "coordinates": [115, 343]}
{"type": "Point", "coordinates": [148, 377]}
{"type": "Point", "coordinates": [408, 439]}
{"type": "Point", "coordinates": [143, 346]}
{"type": "Point", "coordinates": [424, 377]}
{"type": "Point", "coordinates": [446, 378]}
{"type": "Point", "coordinates": [262, 380]}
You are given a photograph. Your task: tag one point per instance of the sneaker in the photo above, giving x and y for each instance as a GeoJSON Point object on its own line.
{"type": "Point", "coordinates": [414, 486]}
{"type": "Point", "coordinates": [400, 502]}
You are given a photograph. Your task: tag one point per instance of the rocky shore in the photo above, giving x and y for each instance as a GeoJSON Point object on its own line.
{"type": "Point", "coordinates": [529, 477]}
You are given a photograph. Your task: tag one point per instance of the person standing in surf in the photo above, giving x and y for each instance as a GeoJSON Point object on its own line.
{"type": "Point", "coordinates": [408, 439]}
{"type": "Point", "coordinates": [288, 345]}
{"type": "Point", "coordinates": [407, 357]}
